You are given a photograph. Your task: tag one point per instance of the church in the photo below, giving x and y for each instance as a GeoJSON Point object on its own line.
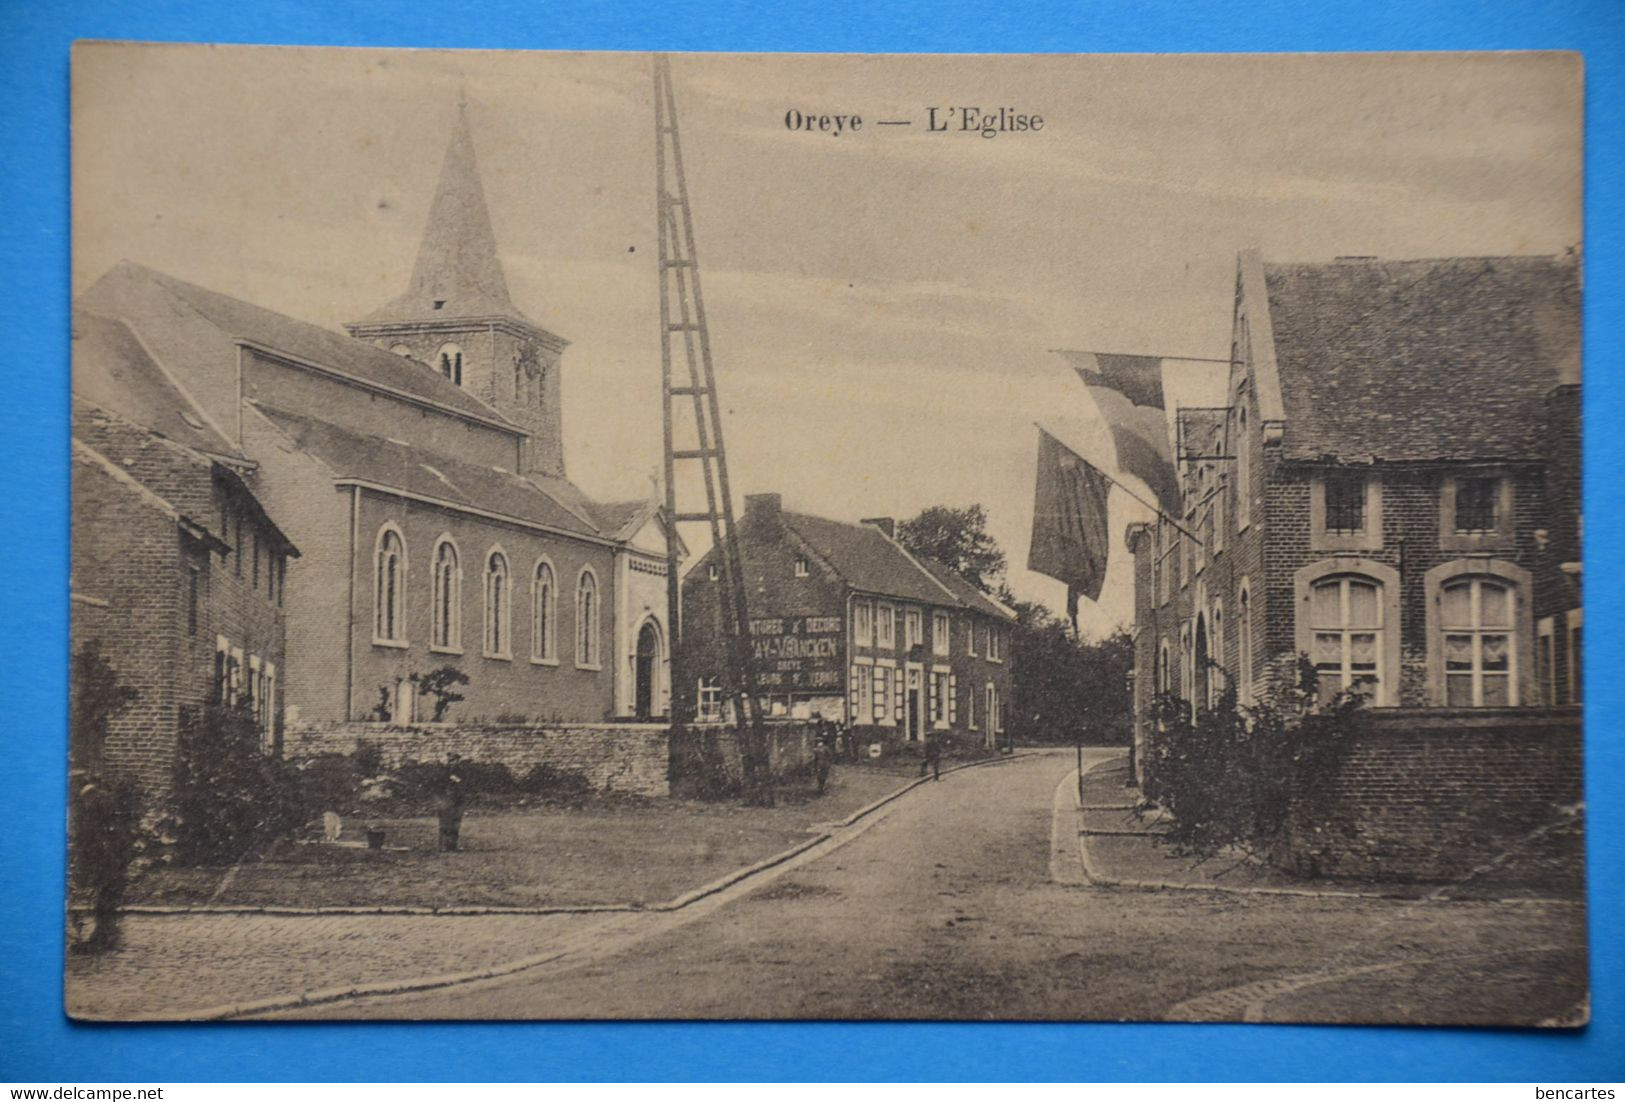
{"type": "Point", "coordinates": [417, 465]}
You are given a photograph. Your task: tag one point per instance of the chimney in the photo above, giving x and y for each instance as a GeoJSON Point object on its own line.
{"type": "Point", "coordinates": [885, 524]}
{"type": "Point", "coordinates": [763, 512]}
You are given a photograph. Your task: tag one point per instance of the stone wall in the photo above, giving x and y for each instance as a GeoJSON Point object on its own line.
{"type": "Point", "coordinates": [1483, 797]}
{"type": "Point", "coordinates": [626, 758]}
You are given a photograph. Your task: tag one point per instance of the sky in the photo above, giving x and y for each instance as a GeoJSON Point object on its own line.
{"type": "Point", "coordinates": [883, 303]}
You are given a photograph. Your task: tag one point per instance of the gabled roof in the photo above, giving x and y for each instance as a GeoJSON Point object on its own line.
{"type": "Point", "coordinates": [866, 560]}
{"type": "Point", "coordinates": [1418, 360]}
{"type": "Point", "coordinates": [623, 518]}
{"type": "Point", "coordinates": [400, 465]}
{"type": "Point", "coordinates": [194, 333]}
{"type": "Point", "coordinates": [112, 370]}
{"type": "Point", "coordinates": [458, 273]}
{"type": "Point", "coordinates": [968, 594]}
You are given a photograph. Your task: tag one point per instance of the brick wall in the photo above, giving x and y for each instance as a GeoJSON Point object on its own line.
{"type": "Point", "coordinates": [1481, 797]}
{"type": "Point", "coordinates": [624, 758]}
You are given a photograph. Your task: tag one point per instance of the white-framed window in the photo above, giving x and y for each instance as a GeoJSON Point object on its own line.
{"type": "Point", "coordinates": [995, 644]}
{"type": "Point", "coordinates": [446, 631]}
{"type": "Point", "coordinates": [544, 613]}
{"type": "Point", "coordinates": [941, 638]}
{"type": "Point", "coordinates": [1244, 642]}
{"type": "Point", "coordinates": [970, 708]}
{"type": "Point", "coordinates": [801, 568]}
{"type": "Point", "coordinates": [236, 670]}
{"type": "Point", "coordinates": [389, 588]}
{"type": "Point", "coordinates": [1477, 616]}
{"type": "Point", "coordinates": [885, 626]}
{"type": "Point", "coordinates": [1346, 618]}
{"type": "Point", "coordinates": [970, 638]}
{"type": "Point", "coordinates": [994, 709]}
{"type": "Point", "coordinates": [587, 619]}
{"type": "Point", "coordinates": [1475, 512]}
{"type": "Point", "coordinates": [881, 692]}
{"type": "Point", "coordinates": [941, 687]}
{"type": "Point", "coordinates": [255, 688]}
{"type": "Point", "coordinates": [450, 362]}
{"type": "Point", "coordinates": [709, 700]}
{"type": "Point", "coordinates": [498, 616]}
{"type": "Point", "coordinates": [862, 690]}
{"type": "Point", "coordinates": [913, 627]}
{"type": "Point", "coordinates": [1345, 511]}
{"type": "Point", "coordinates": [1546, 660]}
{"type": "Point", "coordinates": [863, 624]}
{"type": "Point", "coordinates": [222, 670]}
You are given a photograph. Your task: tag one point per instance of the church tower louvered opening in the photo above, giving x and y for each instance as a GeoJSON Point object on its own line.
{"type": "Point", "coordinates": [457, 316]}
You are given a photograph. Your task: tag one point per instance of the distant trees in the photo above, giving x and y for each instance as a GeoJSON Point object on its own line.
{"type": "Point", "coordinates": [1063, 689]}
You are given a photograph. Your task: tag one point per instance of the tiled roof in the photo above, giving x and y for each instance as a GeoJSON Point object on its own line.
{"type": "Point", "coordinates": [1422, 359]}
{"type": "Point", "coordinates": [968, 594]}
{"type": "Point", "coordinates": [618, 517]}
{"type": "Point", "coordinates": [113, 371]}
{"type": "Point", "coordinates": [194, 331]}
{"type": "Point", "coordinates": [403, 466]}
{"type": "Point", "coordinates": [866, 560]}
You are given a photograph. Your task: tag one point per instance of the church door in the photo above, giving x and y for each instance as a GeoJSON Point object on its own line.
{"type": "Point", "coordinates": [648, 659]}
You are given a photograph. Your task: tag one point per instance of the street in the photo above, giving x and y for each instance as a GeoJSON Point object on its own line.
{"type": "Point", "coordinates": [950, 904]}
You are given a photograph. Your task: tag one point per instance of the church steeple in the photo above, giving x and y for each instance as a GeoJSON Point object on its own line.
{"type": "Point", "coordinates": [458, 273]}
{"type": "Point", "coordinates": [457, 317]}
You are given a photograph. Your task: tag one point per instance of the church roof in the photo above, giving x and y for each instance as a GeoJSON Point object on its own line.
{"type": "Point", "coordinates": [1422, 359]}
{"type": "Point", "coordinates": [458, 273]}
{"type": "Point", "coordinates": [114, 371]}
{"type": "Point", "coordinates": [194, 331]}
{"type": "Point", "coordinates": [400, 465]}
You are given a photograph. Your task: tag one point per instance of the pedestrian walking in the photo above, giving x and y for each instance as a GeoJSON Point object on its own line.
{"type": "Point", "coordinates": [933, 756]}
{"type": "Point", "coordinates": [823, 753]}
{"type": "Point", "coordinates": [449, 803]}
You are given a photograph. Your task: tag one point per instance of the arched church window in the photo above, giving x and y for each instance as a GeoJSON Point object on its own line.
{"type": "Point", "coordinates": [496, 605]}
{"type": "Point", "coordinates": [450, 360]}
{"type": "Point", "coordinates": [389, 589]}
{"type": "Point", "coordinates": [448, 584]}
{"type": "Point", "coordinates": [587, 619]}
{"type": "Point", "coordinates": [544, 614]}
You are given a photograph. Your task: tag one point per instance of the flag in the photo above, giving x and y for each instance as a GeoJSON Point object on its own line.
{"type": "Point", "coordinates": [1128, 392]}
{"type": "Point", "coordinates": [1070, 531]}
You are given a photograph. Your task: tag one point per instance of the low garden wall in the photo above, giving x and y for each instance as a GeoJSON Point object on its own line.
{"type": "Point", "coordinates": [630, 758]}
{"type": "Point", "coordinates": [1482, 797]}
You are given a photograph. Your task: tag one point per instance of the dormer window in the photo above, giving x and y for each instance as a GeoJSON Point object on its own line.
{"type": "Point", "coordinates": [801, 568]}
{"type": "Point", "coordinates": [1345, 504]}
{"type": "Point", "coordinates": [1476, 499]}
{"type": "Point", "coordinates": [712, 573]}
{"type": "Point", "coordinates": [1345, 511]}
{"type": "Point", "coordinates": [450, 361]}
{"type": "Point", "coordinates": [1475, 512]}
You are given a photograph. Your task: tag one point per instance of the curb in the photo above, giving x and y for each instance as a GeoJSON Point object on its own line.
{"type": "Point", "coordinates": [675, 903]}
{"type": "Point", "coordinates": [1098, 879]}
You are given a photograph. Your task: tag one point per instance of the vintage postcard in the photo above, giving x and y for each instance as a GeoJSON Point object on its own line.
{"type": "Point", "coordinates": [606, 536]}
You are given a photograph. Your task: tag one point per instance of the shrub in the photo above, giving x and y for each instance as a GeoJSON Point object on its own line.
{"type": "Point", "coordinates": [231, 798]}
{"type": "Point", "coordinates": [104, 806]}
{"type": "Point", "coordinates": [547, 781]}
{"type": "Point", "coordinates": [1241, 777]}
{"type": "Point", "coordinates": [439, 685]}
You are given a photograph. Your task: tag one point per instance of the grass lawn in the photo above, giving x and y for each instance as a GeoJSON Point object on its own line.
{"type": "Point", "coordinates": [599, 851]}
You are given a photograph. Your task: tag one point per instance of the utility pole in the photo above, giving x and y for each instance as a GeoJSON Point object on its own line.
{"type": "Point", "coordinates": [689, 402]}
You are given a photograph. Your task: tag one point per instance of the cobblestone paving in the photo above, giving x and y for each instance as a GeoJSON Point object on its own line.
{"type": "Point", "coordinates": [175, 965]}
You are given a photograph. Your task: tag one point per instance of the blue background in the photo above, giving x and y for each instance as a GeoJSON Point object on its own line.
{"type": "Point", "coordinates": [36, 1040]}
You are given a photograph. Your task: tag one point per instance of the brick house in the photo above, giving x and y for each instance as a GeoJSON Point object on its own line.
{"type": "Point", "coordinates": [1393, 491]}
{"type": "Point", "coordinates": [178, 573]}
{"type": "Point", "coordinates": [418, 463]}
{"type": "Point", "coordinates": [849, 626]}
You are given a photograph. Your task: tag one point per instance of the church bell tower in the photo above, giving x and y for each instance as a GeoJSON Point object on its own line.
{"type": "Point", "coordinates": [456, 315]}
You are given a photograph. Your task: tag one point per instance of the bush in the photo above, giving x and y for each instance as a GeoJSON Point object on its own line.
{"type": "Point", "coordinates": [544, 780]}
{"type": "Point", "coordinates": [231, 798]}
{"type": "Point", "coordinates": [1241, 777]}
{"type": "Point", "coordinates": [104, 806]}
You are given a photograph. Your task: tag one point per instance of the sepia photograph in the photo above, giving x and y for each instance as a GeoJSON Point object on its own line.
{"type": "Point", "coordinates": [610, 536]}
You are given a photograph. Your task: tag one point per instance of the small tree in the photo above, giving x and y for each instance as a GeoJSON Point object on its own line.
{"type": "Point", "coordinates": [439, 685]}
{"type": "Point", "coordinates": [231, 798]}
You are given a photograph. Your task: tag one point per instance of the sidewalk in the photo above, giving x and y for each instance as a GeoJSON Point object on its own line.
{"type": "Point", "coordinates": [1120, 848]}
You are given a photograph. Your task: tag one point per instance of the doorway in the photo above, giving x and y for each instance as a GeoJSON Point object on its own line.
{"type": "Point", "coordinates": [646, 670]}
